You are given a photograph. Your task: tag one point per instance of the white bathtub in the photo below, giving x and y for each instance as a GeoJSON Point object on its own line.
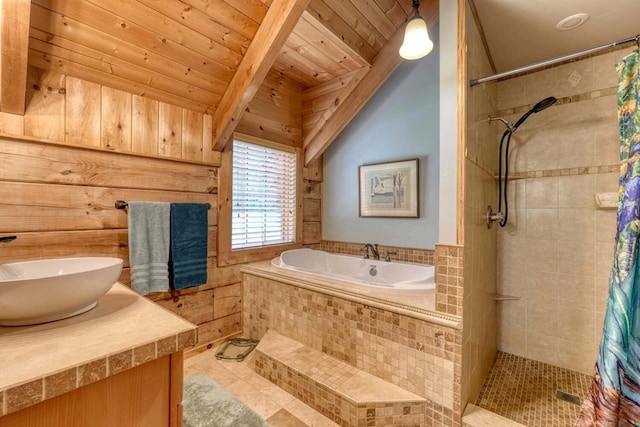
{"type": "Point", "coordinates": [381, 274]}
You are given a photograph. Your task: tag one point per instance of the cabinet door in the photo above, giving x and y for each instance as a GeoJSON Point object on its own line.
{"type": "Point", "coordinates": [138, 397]}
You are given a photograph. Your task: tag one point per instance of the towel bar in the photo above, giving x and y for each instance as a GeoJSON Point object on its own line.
{"type": "Point", "coordinates": [121, 204]}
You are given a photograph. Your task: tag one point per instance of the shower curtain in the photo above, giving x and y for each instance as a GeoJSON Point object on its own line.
{"type": "Point", "coordinates": [614, 397]}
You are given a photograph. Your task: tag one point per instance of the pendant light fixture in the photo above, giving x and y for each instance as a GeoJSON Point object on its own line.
{"type": "Point", "coordinates": [416, 37]}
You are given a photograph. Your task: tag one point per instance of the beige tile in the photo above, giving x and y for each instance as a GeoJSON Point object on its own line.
{"type": "Point", "coordinates": [607, 182]}
{"type": "Point", "coordinates": [577, 291]}
{"type": "Point", "coordinates": [510, 93]}
{"type": "Point", "coordinates": [542, 288]}
{"type": "Point", "coordinates": [512, 340]}
{"type": "Point", "coordinates": [284, 418]}
{"type": "Point", "coordinates": [542, 318]}
{"type": "Point", "coordinates": [540, 149]}
{"type": "Point", "coordinates": [576, 191]}
{"type": "Point", "coordinates": [602, 294]}
{"type": "Point", "coordinates": [542, 256]}
{"type": "Point", "coordinates": [60, 383]}
{"type": "Point", "coordinates": [542, 347]}
{"type": "Point", "coordinates": [576, 325]}
{"type": "Point", "coordinates": [23, 396]}
{"type": "Point", "coordinates": [604, 259]}
{"type": "Point", "coordinates": [262, 404]}
{"type": "Point", "coordinates": [577, 356]}
{"type": "Point", "coordinates": [542, 224]}
{"type": "Point", "coordinates": [577, 257]}
{"type": "Point", "coordinates": [606, 223]}
{"type": "Point", "coordinates": [576, 145]}
{"type": "Point", "coordinates": [576, 224]}
{"type": "Point", "coordinates": [307, 415]}
{"type": "Point", "coordinates": [542, 193]}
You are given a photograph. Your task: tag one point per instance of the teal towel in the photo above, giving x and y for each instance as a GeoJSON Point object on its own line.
{"type": "Point", "coordinates": [149, 246]}
{"type": "Point", "coordinates": [189, 235]}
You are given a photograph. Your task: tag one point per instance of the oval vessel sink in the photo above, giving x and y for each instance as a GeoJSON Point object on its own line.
{"type": "Point", "coordinates": [33, 292]}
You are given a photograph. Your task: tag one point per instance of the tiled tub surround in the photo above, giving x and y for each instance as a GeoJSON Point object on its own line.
{"type": "Point", "coordinates": [413, 348]}
{"type": "Point", "coordinates": [414, 255]}
{"type": "Point", "coordinates": [124, 331]}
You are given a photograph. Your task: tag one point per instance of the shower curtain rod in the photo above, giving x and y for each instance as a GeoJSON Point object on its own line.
{"type": "Point", "coordinates": [553, 61]}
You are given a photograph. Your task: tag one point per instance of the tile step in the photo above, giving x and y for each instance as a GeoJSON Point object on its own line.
{"type": "Point", "coordinates": [474, 416]}
{"type": "Point", "coordinates": [343, 393]}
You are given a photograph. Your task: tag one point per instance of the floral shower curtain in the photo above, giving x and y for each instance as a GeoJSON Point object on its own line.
{"type": "Point", "coordinates": [614, 397]}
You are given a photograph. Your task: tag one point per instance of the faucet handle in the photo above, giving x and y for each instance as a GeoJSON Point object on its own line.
{"type": "Point", "coordinates": [365, 251]}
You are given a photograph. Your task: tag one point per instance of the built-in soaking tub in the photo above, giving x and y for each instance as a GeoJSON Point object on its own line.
{"type": "Point", "coordinates": [396, 276]}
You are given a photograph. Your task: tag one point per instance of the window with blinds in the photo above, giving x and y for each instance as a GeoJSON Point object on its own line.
{"type": "Point", "coordinates": [263, 196]}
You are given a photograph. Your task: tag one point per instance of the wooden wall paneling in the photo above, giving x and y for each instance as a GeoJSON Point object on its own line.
{"type": "Point", "coordinates": [57, 164]}
{"type": "Point", "coordinates": [124, 29]}
{"type": "Point", "coordinates": [376, 17]}
{"type": "Point", "coordinates": [270, 37]}
{"type": "Point", "coordinates": [228, 275]}
{"type": "Point", "coordinates": [227, 300]}
{"type": "Point", "coordinates": [49, 207]}
{"type": "Point", "coordinates": [312, 189]}
{"type": "Point", "coordinates": [313, 171]}
{"type": "Point", "coordinates": [311, 210]}
{"type": "Point", "coordinates": [51, 27]}
{"type": "Point", "coordinates": [144, 125]}
{"type": "Point", "coordinates": [82, 114]}
{"type": "Point", "coordinates": [170, 131]}
{"type": "Point", "coordinates": [209, 155]}
{"type": "Point", "coordinates": [14, 43]}
{"type": "Point", "coordinates": [365, 45]}
{"type": "Point", "coordinates": [44, 115]}
{"type": "Point", "coordinates": [220, 328]}
{"type": "Point", "coordinates": [116, 119]}
{"type": "Point", "coordinates": [261, 126]}
{"type": "Point", "coordinates": [196, 308]}
{"type": "Point", "coordinates": [192, 133]}
{"type": "Point", "coordinates": [219, 21]}
{"type": "Point", "coordinates": [312, 232]}
{"type": "Point", "coordinates": [254, 9]}
{"type": "Point", "coordinates": [50, 62]}
{"type": "Point", "coordinates": [60, 244]}
{"type": "Point", "coordinates": [11, 124]}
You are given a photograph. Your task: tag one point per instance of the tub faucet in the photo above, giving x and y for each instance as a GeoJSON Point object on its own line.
{"type": "Point", "coordinates": [374, 251]}
{"type": "Point", "coordinates": [7, 239]}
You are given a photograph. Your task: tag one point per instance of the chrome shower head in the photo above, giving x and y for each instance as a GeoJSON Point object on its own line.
{"type": "Point", "coordinates": [545, 103]}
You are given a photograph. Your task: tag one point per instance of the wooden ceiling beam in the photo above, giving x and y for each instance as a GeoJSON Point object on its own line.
{"type": "Point", "coordinates": [382, 67]}
{"type": "Point", "coordinates": [14, 47]}
{"type": "Point", "coordinates": [278, 23]}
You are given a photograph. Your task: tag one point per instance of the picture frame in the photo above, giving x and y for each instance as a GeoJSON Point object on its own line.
{"type": "Point", "coordinates": [389, 189]}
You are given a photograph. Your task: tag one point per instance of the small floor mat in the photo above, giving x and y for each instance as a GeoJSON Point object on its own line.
{"type": "Point", "coordinates": [236, 349]}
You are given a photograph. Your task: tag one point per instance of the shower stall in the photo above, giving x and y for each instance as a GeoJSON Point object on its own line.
{"type": "Point", "coordinates": [548, 264]}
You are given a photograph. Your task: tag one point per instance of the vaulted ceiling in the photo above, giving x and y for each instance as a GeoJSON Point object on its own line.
{"type": "Point", "coordinates": [212, 55]}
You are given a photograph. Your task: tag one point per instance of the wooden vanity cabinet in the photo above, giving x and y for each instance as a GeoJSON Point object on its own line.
{"type": "Point", "coordinates": [149, 395]}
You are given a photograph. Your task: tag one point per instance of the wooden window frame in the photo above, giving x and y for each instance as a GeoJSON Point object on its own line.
{"type": "Point", "coordinates": [227, 256]}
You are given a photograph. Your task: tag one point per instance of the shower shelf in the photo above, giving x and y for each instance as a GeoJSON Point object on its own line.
{"type": "Point", "coordinates": [502, 297]}
{"type": "Point", "coordinates": [607, 200]}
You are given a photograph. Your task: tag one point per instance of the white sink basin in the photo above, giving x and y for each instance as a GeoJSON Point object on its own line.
{"type": "Point", "coordinates": [42, 291]}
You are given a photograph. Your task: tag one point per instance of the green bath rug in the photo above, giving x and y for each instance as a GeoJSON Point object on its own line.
{"type": "Point", "coordinates": [207, 404]}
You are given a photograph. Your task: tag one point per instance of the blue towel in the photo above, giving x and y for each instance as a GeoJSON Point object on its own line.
{"type": "Point", "coordinates": [149, 246]}
{"type": "Point", "coordinates": [189, 236]}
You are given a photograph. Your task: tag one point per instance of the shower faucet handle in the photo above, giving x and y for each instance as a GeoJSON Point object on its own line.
{"type": "Point", "coordinates": [389, 253]}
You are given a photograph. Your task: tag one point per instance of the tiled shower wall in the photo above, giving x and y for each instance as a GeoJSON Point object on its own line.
{"type": "Point", "coordinates": [481, 155]}
{"type": "Point", "coordinates": [556, 252]}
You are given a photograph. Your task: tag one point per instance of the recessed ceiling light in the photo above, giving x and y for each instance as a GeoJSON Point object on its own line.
{"type": "Point", "coordinates": [571, 22]}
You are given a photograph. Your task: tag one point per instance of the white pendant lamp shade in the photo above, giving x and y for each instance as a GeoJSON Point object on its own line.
{"type": "Point", "coordinates": [416, 39]}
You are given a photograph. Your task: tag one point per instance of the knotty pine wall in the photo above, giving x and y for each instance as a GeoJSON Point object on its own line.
{"type": "Point", "coordinates": [81, 146]}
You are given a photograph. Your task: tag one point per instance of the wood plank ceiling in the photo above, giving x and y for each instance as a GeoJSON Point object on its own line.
{"type": "Point", "coordinates": [212, 55]}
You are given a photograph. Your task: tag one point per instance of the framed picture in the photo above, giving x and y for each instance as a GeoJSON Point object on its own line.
{"type": "Point", "coordinates": [389, 189]}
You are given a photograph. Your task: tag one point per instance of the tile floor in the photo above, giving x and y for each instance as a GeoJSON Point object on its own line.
{"type": "Point", "coordinates": [278, 407]}
{"type": "Point", "coordinates": [524, 390]}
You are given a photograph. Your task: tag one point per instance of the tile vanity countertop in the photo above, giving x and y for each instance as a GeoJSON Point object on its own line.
{"type": "Point", "coordinates": [123, 331]}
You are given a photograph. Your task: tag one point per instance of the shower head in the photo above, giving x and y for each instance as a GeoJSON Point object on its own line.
{"type": "Point", "coordinates": [545, 103]}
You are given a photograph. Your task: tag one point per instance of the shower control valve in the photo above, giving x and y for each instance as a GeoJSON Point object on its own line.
{"type": "Point", "coordinates": [491, 217]}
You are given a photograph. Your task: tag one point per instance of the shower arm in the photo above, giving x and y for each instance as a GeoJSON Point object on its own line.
{"type": "Point", "coordinates": [508, 124]}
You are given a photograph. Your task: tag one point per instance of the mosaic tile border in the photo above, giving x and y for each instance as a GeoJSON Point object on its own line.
{"type": "Point", "coordinates": [414, 255]}
{"type": "Point", "coordinates": [24, 395]}
{"type": "Point", "coordinates": [449, 279]}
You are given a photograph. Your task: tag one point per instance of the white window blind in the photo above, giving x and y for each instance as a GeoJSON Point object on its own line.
{"type": "Point", "coordinates": [264, 196]}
